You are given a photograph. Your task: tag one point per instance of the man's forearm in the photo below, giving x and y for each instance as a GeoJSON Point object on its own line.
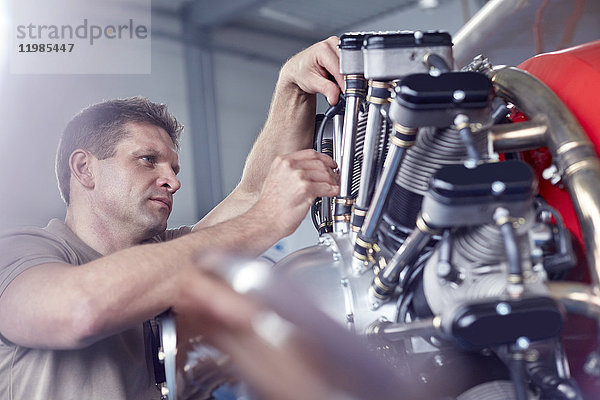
{"type": "Point", "coordinates": [89, 302]}
{"type": "Point", "coordinates": [167, 270]}
{"type": "Point", "coordinates": [289, 127]}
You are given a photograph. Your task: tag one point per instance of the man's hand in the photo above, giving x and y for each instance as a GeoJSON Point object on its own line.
{"type": "Point", "coordinates": [310, 70]}
{"type": "Point", "coordinates": [292, 184]}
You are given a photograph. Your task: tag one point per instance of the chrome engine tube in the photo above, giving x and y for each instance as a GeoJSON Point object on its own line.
{"type": "Point", "coordinates": [351, 66]}
{"type": "Point", "coordinates": [378, 97]}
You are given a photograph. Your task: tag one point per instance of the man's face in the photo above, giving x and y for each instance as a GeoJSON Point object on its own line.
{"type": "Point", "coordinates": [134, 189]}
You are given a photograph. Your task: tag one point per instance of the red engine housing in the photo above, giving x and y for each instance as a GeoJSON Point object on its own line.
{"type": "Point", "coordinates": [574, 75]}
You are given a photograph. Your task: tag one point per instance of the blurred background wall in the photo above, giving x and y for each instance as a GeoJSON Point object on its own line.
{"type": "Point", "coordinates": [215, 64]}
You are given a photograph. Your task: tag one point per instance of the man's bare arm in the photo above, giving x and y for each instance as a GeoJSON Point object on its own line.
{"type": "Point", "coordinates": [290, 124]}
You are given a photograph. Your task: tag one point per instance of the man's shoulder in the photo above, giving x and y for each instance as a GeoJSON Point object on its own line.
{"type": "Point", "coordinates": [30, 234]}
{"type": "Point", "coordinates": [55, 241]}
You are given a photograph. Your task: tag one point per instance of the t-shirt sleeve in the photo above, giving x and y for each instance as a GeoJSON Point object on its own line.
{"type": "Point", "coordinates": [19, 252]}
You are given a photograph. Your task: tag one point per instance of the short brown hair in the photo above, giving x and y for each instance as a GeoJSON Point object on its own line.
{"type": "Point", "coordinates": [98, 129]}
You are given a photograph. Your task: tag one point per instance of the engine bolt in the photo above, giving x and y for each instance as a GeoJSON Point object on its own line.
{"type": "Point", "coordinates": [503, 308]}
{"type": "Point", "coordinates": [444, 269]}
{"type": "Point", "coordinates": [470, 163]}
{"type": "Point", "coordinates": [523, 343]}
{"type": "Point", "coordinates": [498, 187]}
{"type": "Point", "coordinates": [460, 119]}
{"type": "Point", "coordinates": [552, 174]}
{"type": "Point", "coordinates": [459, 95]}
{"type": "Point", "coordinates": [438, 360]}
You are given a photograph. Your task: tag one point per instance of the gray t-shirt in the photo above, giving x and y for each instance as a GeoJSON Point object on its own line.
{"type": "Point", "coordinates": [118, 367]}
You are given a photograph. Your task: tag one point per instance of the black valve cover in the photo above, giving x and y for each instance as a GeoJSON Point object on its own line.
{"type": "Point", "coordinates": [457, 184]}
{"type": "Point", "coordinates": [426, 92]}
{"type": "Point", "coordinates": [479, 325]}
{"type": "Point", "coordinates": [428, 100]}
{"type": "Point", "coordinates": [461, 196]}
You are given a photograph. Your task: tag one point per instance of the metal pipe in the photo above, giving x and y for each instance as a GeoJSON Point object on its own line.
{"type": "Point", "coordinates": [521, 136]}
{"type": "Point", "coordinates": [369, 154]}
{"type": "Point", "coordinates": [571, 150]}
{"type": "Point", "coordinates": [463, 126]}
{"type": "Point", "coordinates": [338, 131]}
{"type": "Point", "coordinates": [341, 217]}
{"type": "Point", "coordinates": [390, 169]}
{"type": "Point", "coordinates": [385, 282]}
{"type": "Point", "coordinates": [378, 97]}
{"type": "Point", "coordinates": [407, 253]}
{"type": "Point", "coordinates": [348, 145]}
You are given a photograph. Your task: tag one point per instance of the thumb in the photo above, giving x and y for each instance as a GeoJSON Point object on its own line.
{"type": "Point", "coordinates": [331, 92]}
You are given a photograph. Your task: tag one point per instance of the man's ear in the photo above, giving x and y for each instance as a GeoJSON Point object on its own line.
{"type": "Point", "coordinates": [80, 163]}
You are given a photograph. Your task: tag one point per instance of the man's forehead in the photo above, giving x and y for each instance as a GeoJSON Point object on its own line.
{"type": "Point", "coordinates": [147, 135]}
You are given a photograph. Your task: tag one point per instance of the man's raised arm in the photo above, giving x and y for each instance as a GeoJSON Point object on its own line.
{"type": "Point", "coordinates": [289, 127]}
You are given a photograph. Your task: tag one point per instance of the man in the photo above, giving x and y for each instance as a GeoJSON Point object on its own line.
{"type": "Point", "coordinates": [71, 332]}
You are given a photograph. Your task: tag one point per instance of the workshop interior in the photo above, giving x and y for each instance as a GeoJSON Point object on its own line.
{"type": "Point", "coordinates": [461, 259]}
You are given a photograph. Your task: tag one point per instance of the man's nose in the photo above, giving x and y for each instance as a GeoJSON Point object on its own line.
{"type": "Point", "coordinates": [169, 180]}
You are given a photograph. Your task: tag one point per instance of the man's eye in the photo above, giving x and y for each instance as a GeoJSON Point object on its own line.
{"type": "Point", "coordinates": [148, 159]}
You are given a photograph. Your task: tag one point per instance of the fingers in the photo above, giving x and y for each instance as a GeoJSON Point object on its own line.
{"type": "Point", "coordinates": [293, 182]}
{"type": "Point", "coordinates": [310, 70]}
{"type": "Point", "coordinates": [309, 166]}
{"type": "Point", "coordinates": [320, 189]}
{"type": "Point", "coordinates": [331, 92]}
{"type": "Point", "coordinates": [310, 154]}
{"type": "Point", "coordinates": [295, 175]}
{"type": "Point", "coordinates": [331, 60]}
{"type": "Point", "coordinates": [328, 61]}
{"type": "Point", "coordinates": [313, 171]}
